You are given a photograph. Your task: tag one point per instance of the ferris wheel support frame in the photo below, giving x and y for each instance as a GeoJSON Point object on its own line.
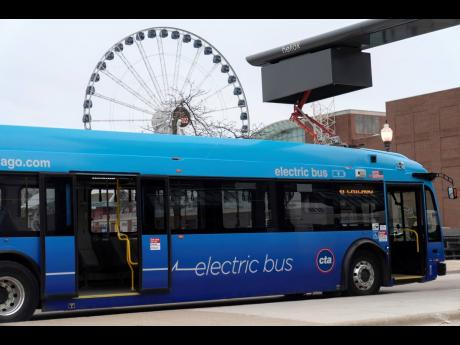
{"type": "Point", "coordinates": [87, 119]}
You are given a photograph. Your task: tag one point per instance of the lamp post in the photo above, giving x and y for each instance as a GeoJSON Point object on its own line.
{"type": "Point", "coordinates": [386, 133]}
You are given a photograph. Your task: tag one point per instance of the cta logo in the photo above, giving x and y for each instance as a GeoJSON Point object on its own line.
{"type": "Point", "coordinates": [325, 260]}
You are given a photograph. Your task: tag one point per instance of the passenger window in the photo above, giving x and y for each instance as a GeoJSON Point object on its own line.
{"type": "Point", "coordinates": [236, 209]}
{"type": "Point", "coordinates": [326, 206]}
{"type": "Point", "coordinates": [30, 207]}
{"type": "Point", "coordinates": [59, 213]}
{"type": "Point", "coordinates": [219, 206]}
{"type": "Point", "coordinates": [184, 208]}
{"type": "Point", "coordinates": [432, 216]}
{"type": "Point", "coordinates": [245, 206]}
{"type": "Point", "coordinates": [19, 211]}
{"type": "Point", "coordinates": [154, 207]}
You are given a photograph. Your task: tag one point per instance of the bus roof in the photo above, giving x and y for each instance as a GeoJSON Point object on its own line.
{"type": "Point", "coordinates": [63, 150]}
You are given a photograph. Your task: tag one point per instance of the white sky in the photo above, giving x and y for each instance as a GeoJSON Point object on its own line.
{"type": "Point", "coordinates": [45, 64]}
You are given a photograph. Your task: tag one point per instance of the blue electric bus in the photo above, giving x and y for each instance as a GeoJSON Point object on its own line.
{"type": "Point", "coordinates": [95, 219]}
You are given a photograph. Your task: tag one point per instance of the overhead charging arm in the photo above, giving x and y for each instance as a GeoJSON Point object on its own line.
{"type": "Point", "coordinates": [298, 115]}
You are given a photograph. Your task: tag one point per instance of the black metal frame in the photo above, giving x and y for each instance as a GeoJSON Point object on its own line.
{"type": "Point", "coordinates": [165, 179]}
{"type": "Point", "coordinates": [42, 177]}
{"type": "Point", "coordinates": [363, 35]}
{"type": "Point", "coordinates": [75, 175]}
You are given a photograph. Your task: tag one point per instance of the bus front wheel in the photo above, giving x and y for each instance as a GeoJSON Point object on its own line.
{"type": "Point", "coordinates": [364, 275]}
{"type": "Point", "coordinates": [19, 292]}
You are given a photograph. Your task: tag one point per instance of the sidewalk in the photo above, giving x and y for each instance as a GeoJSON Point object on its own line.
{"type": "Point", "coordinates": [453, 266]}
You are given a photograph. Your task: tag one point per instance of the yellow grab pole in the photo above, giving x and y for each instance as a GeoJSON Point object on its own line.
{"type": "Point", "coordinates": [124, 237]}
{"type": "Point", "coordinates": [416, 238]}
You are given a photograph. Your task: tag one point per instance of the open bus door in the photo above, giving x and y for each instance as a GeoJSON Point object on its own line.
{"type": "Point", "coordinates": [57, 236]}
{"type": "Point", "coordinates": [407, 235]}
{"type": "Point", "coordinates": [435, 241]}
{"type": "Point", "coordinates": [435, 246]}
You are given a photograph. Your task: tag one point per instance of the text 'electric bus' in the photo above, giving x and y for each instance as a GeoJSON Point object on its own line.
{"type": "Point", "coordinates": [94, 219]}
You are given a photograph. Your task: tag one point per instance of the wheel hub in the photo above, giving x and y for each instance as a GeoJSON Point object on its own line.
{"type": "Point", "coordinates": [363, 275]}
{"type": "Point", "coordinates": [12, 295]}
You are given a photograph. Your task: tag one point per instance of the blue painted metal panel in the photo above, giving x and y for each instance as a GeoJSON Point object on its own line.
{"type": "Point", "coordinates": [27, 246]}
{"type": "Point", "coordinates": [154, 261]}
{"type": "Point", "coordinates": [221, 266]}
{"type": "Point", "coordinates": [60, 265]}
{"type": "Point", "coordinates": [63, 150]}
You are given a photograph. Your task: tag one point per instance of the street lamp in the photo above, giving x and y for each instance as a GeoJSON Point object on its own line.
{"type": "Point", "coordinates": [386, 133]}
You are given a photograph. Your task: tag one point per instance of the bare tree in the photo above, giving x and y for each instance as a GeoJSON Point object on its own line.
{"type": "Point", "coordinates": [187, 113]}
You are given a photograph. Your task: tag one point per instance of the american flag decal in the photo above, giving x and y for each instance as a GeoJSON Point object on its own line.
{"type": "Point", "coordinates": [377, 174]}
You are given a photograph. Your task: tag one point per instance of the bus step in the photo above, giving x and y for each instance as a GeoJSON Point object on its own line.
{"type": "Point", "coordinates": [107, 295]}
{"type": "Point", "coordinates": [406, 278]}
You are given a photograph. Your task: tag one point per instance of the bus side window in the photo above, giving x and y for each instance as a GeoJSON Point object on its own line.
{"type": "Point", "coordinates": [324, 206]}
{"type": "Point", "coordinates": [59, 218]}
{"type": "Point", "coordinates": [434, 228]}
{"type": "Point", "coordinates": [30, 207]}
{"type": "Point", "coordinates": [219, 206]}
{"type": "Point", "coordinates": [153, 194]}
{"type": "Point", "coordinates": [19, 211]}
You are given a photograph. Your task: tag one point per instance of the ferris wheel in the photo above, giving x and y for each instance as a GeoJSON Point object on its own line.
{"type": "Point", "coordinates": [166, 80]}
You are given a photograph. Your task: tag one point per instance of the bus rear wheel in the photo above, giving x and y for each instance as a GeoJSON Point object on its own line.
{"type": "Point", "coordinates": [364, 275]}
{"type": "Point", "coordinates": [18, 292]}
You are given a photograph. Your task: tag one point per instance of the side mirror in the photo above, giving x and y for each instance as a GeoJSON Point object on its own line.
{"type": "Point", "coordinates": [452, 192]}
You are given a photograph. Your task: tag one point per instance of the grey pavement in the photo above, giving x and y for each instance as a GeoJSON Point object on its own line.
{"type": "Point", "coordinates": [453, 266]}
{"type": "Point", "coordinates": [432, 303]}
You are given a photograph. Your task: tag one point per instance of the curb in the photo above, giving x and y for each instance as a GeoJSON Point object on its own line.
{"type": "Point", "coordinates": [443, 317]}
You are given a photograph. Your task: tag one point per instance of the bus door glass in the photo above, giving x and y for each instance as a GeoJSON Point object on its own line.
{"type": "Point", "coordinates": [435, 243]}
{"type": "Point", "coordinates": [57, 235]}
{"type": "Point", "coordinates": [406, 230]}
{"type": "Point", "coordinates": [156, 236]}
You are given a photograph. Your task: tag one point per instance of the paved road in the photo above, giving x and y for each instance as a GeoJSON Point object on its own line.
{"type": "Point", "coordinates": [434, 303]}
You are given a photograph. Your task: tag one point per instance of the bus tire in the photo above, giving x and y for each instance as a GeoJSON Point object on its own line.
{"type": "Point", "coordinates": [365, 274]}
{"type": "Point", "coordinates": [19, 292]}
